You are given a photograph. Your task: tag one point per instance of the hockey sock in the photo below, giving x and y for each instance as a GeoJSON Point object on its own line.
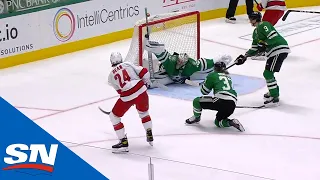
{"type": "Point", "coordinates": [145, 119]}
{"type": "Point", "coordinates": [271, 83]}
{"type": "Point", "coordinates": [197, 107]}
{"type": "Point", "coordinates": [117, 125]}
{"type": "Point", "coordinates": [147, 123]}
{"type": "Point", "coordinates": [222, 123]}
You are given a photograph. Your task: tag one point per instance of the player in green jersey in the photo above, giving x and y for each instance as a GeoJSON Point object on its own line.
{"type": "Point", "coordinates": [224, 99]}
{"type": "Point", "coordinates": [179, 67]}
{"type": "Point", "coordinates": [267, 39]}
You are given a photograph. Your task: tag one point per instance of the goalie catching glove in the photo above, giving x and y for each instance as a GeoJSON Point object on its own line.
{"type": "Point", "coordinates": [153, 46]}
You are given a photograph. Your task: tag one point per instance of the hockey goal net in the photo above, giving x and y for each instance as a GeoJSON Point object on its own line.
{"type": "Point", "coordinates": [179, 31]}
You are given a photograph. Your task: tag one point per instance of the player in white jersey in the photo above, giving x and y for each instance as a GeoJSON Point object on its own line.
{"type": "Point", "coordinates": [130, 82]}
{"type": "Point", "coordinates": [274, 10]}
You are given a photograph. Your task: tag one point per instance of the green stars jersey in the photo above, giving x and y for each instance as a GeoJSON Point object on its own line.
{"type": "Point", "coordinates": [221, 84]}
{"type": "Point", "coordinates": [266, 33]}
{"type": "Point", "coordinates": [169, 63]}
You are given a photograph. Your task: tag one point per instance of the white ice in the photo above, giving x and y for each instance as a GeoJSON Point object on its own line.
{"type": "Point", "coordinates": [62, 95]}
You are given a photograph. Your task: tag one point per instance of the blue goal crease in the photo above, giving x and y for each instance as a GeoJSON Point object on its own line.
{"type": "Point", "coordinates": [242, 84]}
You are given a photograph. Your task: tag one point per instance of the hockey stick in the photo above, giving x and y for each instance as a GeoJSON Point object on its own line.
{"type": "Point", "coordinates": [256, 2]}
{"type": "Point", "coordinates": [105, 112]}
{"type": "Point", "coordinates": [150, 62]}
{"type": "Point", "coordinates": [193, 83]}
{"type": "Point", "coordinates": [254, 107]}
{"type": "Point", "coordinates": [285, 16]}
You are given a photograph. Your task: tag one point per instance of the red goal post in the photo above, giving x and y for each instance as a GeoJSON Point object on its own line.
{"type": "Point", "coordinates": [179, 31]}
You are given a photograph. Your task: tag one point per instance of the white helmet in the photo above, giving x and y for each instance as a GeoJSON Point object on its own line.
{"type": "Point", "coordinates": [224, 58]}
{"type": "Point", "coordinates": [115, 58]}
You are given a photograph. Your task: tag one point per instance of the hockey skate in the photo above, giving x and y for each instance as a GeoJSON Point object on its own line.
{"type": "Point", "coordinates": [267, 96]}
{"type": "Point", "coordinates": [121, 147]}
{"type": "Point", "coordinates": [149, 137]}
{"type": "Point", "coordinates": [231, 20]}
{"type": "Point", "coordinates": [193, 120]}
{"type": "Point", "coordinates": [271, 102]}
{"type": "Point", "coordinates": [236, 124]}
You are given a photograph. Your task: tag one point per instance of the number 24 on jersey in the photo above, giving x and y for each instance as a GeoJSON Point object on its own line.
{"type": "Point", "coordinates": [122, 77]}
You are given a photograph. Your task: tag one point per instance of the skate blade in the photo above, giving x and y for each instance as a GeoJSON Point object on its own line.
{"type": "Point", "coordinates": [270, 105]}
{"type": "Point", "coordinates": [193, 124]}
{"type": "Point", "coordinates": [241, 128]}
{"type": "Point", "coordinates": [120, 150]}
{"type": "Point", "coordinates": [230, 21]}
{"type": "Point", "coordinates": [151, 143]}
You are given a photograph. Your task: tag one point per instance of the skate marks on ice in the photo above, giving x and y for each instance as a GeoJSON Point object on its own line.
{"type": "Point", "coordinates": [242, 84]}
{"type": "Point", "coordinates": [297, 32]}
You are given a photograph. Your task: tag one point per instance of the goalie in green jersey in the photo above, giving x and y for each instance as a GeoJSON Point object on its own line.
{"type": "Point", "coordinates": [224, 99]}
{"type": "Point", "coordinates": [267, 39]}
{"type": "Point", "coordinates": [177, 67]}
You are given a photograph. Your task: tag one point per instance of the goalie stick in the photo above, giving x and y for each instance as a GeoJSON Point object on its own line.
{"type": "Point", "coordinates": [193, 83]}
{"type": "Point", "coordinates": [150, 61]}
{"type": "Point", "coordinates": [285, 16]}
{"type": "Point", "coordinates": [149, 53]}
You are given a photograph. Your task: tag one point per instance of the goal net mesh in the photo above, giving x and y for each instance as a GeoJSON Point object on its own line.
{"type": "Point", "coordinates": [179, 31]}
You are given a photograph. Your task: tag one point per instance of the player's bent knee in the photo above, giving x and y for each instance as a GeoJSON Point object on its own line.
{"type": "Point", "coordinates": [114, 119]}
{"type": "Point", "coordinates": [268, 74]}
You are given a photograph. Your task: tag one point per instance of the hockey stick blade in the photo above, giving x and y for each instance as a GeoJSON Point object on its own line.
{"type": "Point", "coordinates": [254, 107]}
{"type": "Point", "coordinates": [193, 83]}
{"type": "Point", "coordinates": [159, 85]}
{"type": "Point", "coordinates": [289, 11]}
{"type": "Point", "coordinates": [105, 112]}
{"type": "Point", "coordinates": [286, 15]}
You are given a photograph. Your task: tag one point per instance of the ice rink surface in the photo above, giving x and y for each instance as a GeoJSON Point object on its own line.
{"type": "Point", "coordinates": [62, 95]}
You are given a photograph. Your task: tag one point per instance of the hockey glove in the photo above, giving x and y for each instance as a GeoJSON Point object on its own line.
{"type": "Point", "coordinates": [179, 79]}
{"type": "Point", "coordinates": [259, 7]}
{"type": "Point", "coordinates": [240, 59]}
{"type": "Point", "coordinates": [262, 46]}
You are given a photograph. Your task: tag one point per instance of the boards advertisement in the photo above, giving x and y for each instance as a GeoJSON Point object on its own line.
{"type": "Point", "coordinates": [56, 26]}
{"type": "Point", "coordinates": [18, 35]}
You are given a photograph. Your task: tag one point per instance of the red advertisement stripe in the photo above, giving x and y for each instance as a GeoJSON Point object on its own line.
{"type": "Point", "coordinates": [30, 166]}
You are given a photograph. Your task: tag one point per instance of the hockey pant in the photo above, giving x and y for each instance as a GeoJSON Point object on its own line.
{"type": "Point", "coordinates": [121, 107]}
{"type": "Point", "coordinates": [224, 107]}
{"type": "Point", "coordinates": [273, 65]}
{"type": "Point", "coordinates": [272, 16]}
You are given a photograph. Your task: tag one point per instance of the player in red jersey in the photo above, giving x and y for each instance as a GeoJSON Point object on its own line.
{"type": "Point", "coordinates": [130, 82]}
{"type": "Point", "coordinates": [274, 10]}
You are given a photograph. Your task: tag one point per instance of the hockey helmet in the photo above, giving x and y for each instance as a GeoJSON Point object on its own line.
{"type": "Point", "coordinates": [115, 58]}
{"type": "Point", "coordinates": [182, 60]}
{"type": "Point", "coordinates": [255, 16]}
{"type": "Point", "coordinates": [219, 66]}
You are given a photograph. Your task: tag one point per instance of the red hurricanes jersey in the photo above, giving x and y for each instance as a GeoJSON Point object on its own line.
{"type": "Point", "coordinates": [274, 4]}
{"type": "Point", "coordinates": [128, 80]}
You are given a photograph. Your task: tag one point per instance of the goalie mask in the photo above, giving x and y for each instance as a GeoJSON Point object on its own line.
{"type": "Point", "coordinates": [115, 58]}
{"type": "Point", "coordinates": [182, 60]}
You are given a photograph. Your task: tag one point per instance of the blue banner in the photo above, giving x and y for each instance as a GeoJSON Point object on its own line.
{"type": "Point", "coordinates": [30, 153]}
